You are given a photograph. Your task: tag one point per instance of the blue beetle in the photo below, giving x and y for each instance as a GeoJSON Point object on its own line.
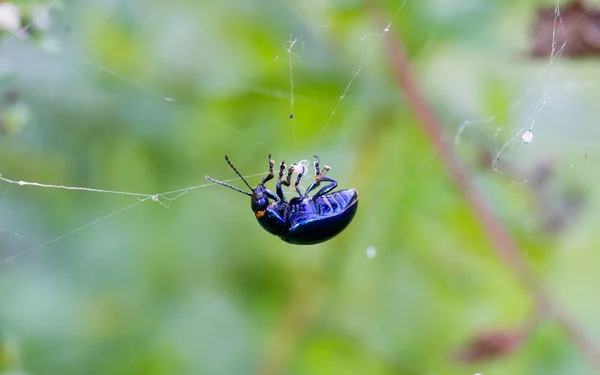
{"type": "Point", "coordinates": [303, 220]}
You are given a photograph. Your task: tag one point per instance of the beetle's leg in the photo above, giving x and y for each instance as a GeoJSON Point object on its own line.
{"type": "Point", "coordinates": [295, 187]}
{"type": "Point", "coordinates": [279, 189]}
{"type": "Point", "coordinates": [311, 187]}
{"type": "Point", "coordinates": [271, 173]}
{"type": "Point", "coordinates": [320, 176]}
{"type": "Point", "coordinates": [288, 179]}
{"type": "Point", "coordinates": [317, 169]}
{"type": "Point", "coordinates": [326, 189]}
{"type": "Point", "coordinates": [271, 195]}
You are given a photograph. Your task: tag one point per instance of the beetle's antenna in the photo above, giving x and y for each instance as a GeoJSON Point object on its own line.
{"type": "Point", "coordinates": [239, 174]}
{"type": "Point", "coordinates": [226, 185]}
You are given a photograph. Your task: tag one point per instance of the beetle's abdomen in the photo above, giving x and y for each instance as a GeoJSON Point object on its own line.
{"type": "Point", "coordinates": [336, 202]}
{"type": "Point", "coordinates": [320, 220]}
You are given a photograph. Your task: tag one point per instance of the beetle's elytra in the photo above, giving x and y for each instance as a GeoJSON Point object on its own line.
{"type": "Point", "coordinates": [303, 220]}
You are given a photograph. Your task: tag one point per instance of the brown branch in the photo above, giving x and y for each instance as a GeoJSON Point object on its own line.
{"type": "Point", "coordinates": [504, 245]}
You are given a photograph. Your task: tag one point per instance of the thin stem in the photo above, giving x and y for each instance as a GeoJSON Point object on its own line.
{"type": "Point", "coordinates": [504, 244]}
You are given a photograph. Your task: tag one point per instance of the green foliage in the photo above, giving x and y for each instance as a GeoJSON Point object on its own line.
{"type": "Point", "coordinates": [147, 96]}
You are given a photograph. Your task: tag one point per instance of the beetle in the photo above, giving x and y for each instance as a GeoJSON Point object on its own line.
{"type": "Point", "coordinates": [303, 220]}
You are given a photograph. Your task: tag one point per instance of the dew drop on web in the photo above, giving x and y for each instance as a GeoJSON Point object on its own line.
{"type": "Point", "coordinates": [371, 252]}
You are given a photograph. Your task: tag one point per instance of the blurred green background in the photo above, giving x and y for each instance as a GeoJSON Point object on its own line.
{"type": "Point", "coordinates": [147, 97]}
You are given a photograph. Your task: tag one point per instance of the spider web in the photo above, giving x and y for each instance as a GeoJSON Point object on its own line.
{"type": "Point", "coordinates": [541, 83]}
{"type": "Point", "coordinates": [530, 109]}
{"type": "Point", "coordinates": [520, 134]}
{"type": "Point", "coordinates": [22, 242]}
{"type": "Point", "coordinates": [292, 50]}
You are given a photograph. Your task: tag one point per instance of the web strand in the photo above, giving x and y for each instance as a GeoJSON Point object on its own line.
{"type": "Point", "coordinates": [526, 131]}
{"type": "Point", "coordinates": [163, 199]}
{"type": "Point", "coordinates": [37, 184]}
{"type": "Point", "coordinates": [68, 234]}
{"type": "Point", "coordinates": [174, 102]}
{"type": "Point", "coordinates": [292, 116]}
{"type": "Point", "coordinates": [361, 65]}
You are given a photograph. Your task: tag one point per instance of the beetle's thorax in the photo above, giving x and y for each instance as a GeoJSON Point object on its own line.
{"type": "Point", "coordinates": [259, 200]}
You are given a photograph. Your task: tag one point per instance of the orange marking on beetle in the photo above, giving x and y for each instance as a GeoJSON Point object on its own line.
{"type": "Point", "coordinates": [260, 213]}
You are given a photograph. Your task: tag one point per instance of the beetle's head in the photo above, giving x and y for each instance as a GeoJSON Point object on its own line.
{"type": "Point", "coordinates": [260, 200]}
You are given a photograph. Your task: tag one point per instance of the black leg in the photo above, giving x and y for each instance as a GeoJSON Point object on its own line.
{"type": "Point", "coordinates": [271, 173]}
{"type": "Point", "coordinates": [295, 187]}
{"type": "Point", "coordinates": [326, 189]}
{"type": "Point", "coordinates": [288, 179]}
{"type": "Point", "coordinates": [271, 195]}
{"type": "Point", "coordinates": [320, 176]}
{"type": "Point", "coordinates": [317, 182]}
{"type": "Point", "coordinates": [317, 169]}
{"type": "Point", "coordinates": [279, 190]}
